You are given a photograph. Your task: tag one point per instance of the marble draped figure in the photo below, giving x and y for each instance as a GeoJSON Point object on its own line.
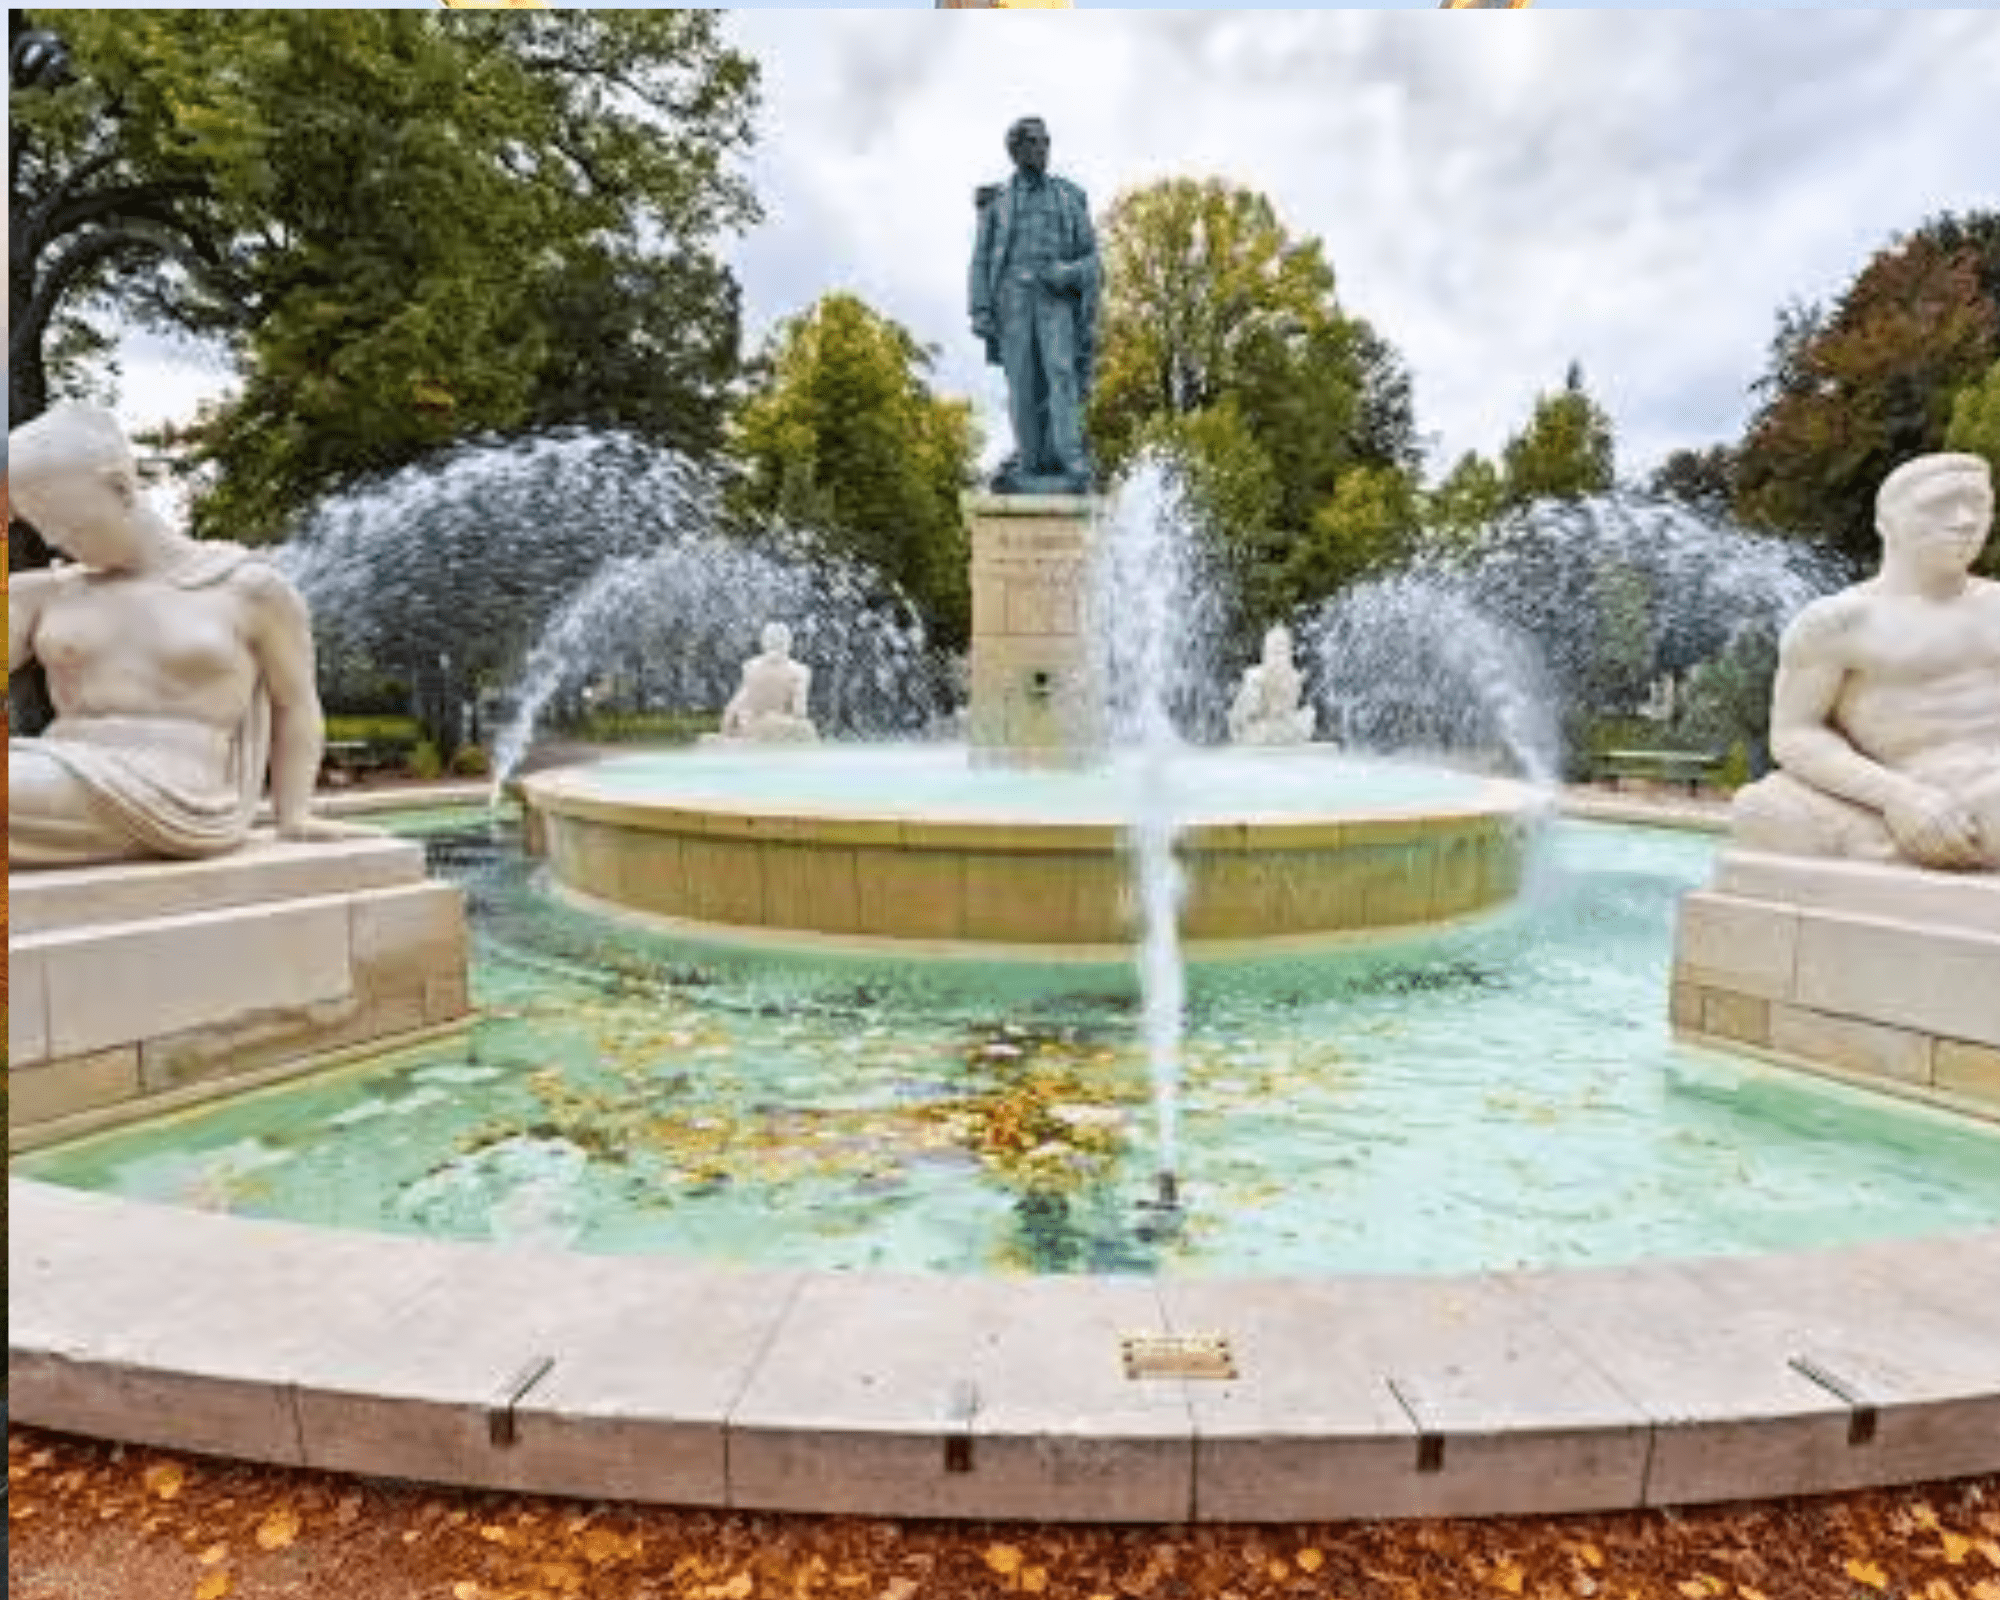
{"type": "Point", "coordinates": [770, 705]}
{"type": "Point", "coordinates": [1267, 707]}
{"type": "Point", "coordinates": [181, 672]}
{"type": "Point", "coordinates": [1033, 296]}
{"type": "Point", "coordinates": [1886, 715]}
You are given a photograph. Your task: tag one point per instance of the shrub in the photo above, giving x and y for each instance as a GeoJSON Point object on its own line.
{"type": "Point", "coordinates": [470, 761]}
{"type": "Point", "coordinates": [425, 762]}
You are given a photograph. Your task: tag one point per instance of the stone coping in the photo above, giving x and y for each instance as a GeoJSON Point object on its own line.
{"type": "Point", "coordinates": [669, 1380]}
{"type": "Point", "coordinates": [579, 793]}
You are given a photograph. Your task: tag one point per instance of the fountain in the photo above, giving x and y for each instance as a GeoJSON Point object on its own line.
{"type": "Point", "coordinates": [790, 1160]}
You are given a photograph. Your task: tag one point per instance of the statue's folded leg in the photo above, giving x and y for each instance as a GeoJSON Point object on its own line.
{"type": "Point", "coordinates": [1985, 802]}
{"type": "Point", "coordinates": [51, 818]}
{"type": "Point", "coordinates": [1787, 817]}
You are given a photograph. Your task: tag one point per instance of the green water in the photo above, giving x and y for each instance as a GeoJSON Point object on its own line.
{"type": "Point", "coordinates": [1505, 1095]}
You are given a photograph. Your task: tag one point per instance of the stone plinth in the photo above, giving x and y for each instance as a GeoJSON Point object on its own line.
{"type": "Point", "coordinates": [133, 985]}
{"type": "Point", "coordinates": [1033, 703]}
{"type": "Point", "coordinates": [1873, 972]}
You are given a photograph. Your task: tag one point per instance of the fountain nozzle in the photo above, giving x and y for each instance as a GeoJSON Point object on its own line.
{"type": "Point", "coordinates": [1168, 1191]}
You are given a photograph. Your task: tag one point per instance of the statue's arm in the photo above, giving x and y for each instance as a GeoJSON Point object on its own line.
{"type": "Point", "coordinates": [1812, 667]}
{"type": "Point", "coordinates": [27, 592]}
{"type": "Point", "coordinates": [281, 638]}
{"type": "Point", "coordinates": [979, 281]}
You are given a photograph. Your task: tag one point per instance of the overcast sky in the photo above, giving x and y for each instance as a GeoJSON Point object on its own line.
{"type": "Point", "coordinates": [1498, 193]}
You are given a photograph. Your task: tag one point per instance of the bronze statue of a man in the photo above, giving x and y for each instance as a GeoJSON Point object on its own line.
{"type": "Point", "coordinates": [1034, 290]}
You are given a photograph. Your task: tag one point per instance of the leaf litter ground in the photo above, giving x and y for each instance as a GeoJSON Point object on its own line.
{"type": "Point", "coordinates": [96, 1521]}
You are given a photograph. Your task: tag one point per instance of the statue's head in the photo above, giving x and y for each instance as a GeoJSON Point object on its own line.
{"type": "Point", "coordinates": [1278, 647]}
{"type": "Point", "coordinates": [776, 639]}
{"type": "Point", "coordinates": [1028, 144]}
{"type": "Point", "coordinates": [1936, 510]}
{"type": "Point", "coordinates": [72, 475]}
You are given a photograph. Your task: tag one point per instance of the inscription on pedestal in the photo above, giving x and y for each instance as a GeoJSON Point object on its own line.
{"type": "Point", "coordinates": [1032, 696]}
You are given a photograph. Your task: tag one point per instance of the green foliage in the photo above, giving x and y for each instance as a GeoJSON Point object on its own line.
{"type": "Point", "coordinates": [1369, 525]}
{"type": "Point", "coordinates": [1975, 428]}
{"type": "Point", "coordinates": [1855, 390]}
{"type": "Point", "coordinates": [842, 433]}
{"type": "Point", "coordinates": [1222, 339]}
{"type": "Point", "coordinates": [1727, 700]}
{"type": "Point", "coordinates": [425, 761]}
{"type": "Point", "coordinates": [470, 761]}
{"type": "Point", "coordinates": [410, 227]}
{"type": "Point", "coordinates": [1566, 450]}
{"type": "Point", "coordinates": [1470, 496]}
{"type": "Point", "coordinates": [1703, 479]}
{"type": "Point", "coordinates": [374, 729]}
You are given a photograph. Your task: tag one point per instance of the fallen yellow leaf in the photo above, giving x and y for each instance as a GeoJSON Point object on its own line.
{"type": "Point", "coordinates": [1940, 1589]}
{"type": "Point", "coordinates": [492, 1533]}
{"type": "Point", "coordinates": [1990, 1549]}
{"type": "Point", "coordinates": [608, 1544]}
{"type": "Point", "coordinates": [465, 1589]}
{"type": "Point", "coordinates": [1956, 1546]}
{"type": "Point", "coordinates": [279, 1529]}
{"type": "Point", "coordinates": [1508, 1578]}
{"type": "Point", "coordinates": [1309, 1560]}
{"type": "Point", "coordinates": [1867, 1572]}
{"type": "Point", "coordinates": [737, 1588]}
{"type": "Point", "coordinates": [1745, 1592]}
{"type": "Point", "coordinates": [213, 1554]}
{"type": "Point", "coordinates": [212, 1587]}
{"type": "Point", "coordinates": [1592, 1556]}
{"type": "Point", "coordinates": [1003, 1559]}
{"type": "Point", "coordinates": [1279, 1569]}
{"type": "Point", "coordinates": [1986, 1589]}
{"type": "Point", "coordinates": [164, 1478]}
{"type": "Point", "coordinates": [1034, 1579]}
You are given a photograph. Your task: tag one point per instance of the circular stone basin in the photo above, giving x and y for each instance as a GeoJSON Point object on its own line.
{"type": "Point", "coordinates": [914, 844]}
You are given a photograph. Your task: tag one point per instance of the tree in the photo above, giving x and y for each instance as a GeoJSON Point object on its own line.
{"type": "Point", "coordinates": [1566, 450]}
{"type": "Point", "coordinates": [1223, 339]}
{"type": "Point", "coordinates": [842, 433]}
{"type": "Point", "coordinates": [406, 227]}
{"type": "Point", "coordinates": [1975, 427]}
{"type": "Point", "coordinates": [1854, 391]}
{"type": "Point", "coordinates": [1703, 479]}
{"type": "Point", "coordinates": [1470, 496]}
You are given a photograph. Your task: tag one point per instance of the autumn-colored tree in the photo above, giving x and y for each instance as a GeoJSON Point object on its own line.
{"type": "Point", "coordinates": [1222, 333]}
{"type": "Point", "coordinates": [1855, 390]}
{"type": "Point", "coordinates": [1566, 450]}
{"type": "Point", "coordinates": [843, 434]}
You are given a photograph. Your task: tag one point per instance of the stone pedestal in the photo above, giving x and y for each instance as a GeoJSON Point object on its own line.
{"type": "Point", "coordinates": [1033, 702]}
{"type": "Point", "coordinates": [1889, 973]}
{"type": "Point", "coordinates": [138, 981]}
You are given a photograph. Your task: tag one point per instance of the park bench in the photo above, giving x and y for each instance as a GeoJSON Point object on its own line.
{"type": "Point", "coordinates": [1688, 767]}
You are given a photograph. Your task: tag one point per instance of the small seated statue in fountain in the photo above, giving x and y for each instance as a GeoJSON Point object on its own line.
{"type": "Point", "coordinates": [180, 671]}
{"type": "Point", "coordinates": [770, 707]}
{"type": "Point", "coordinates": [1886, 715]}
{"type": "Point", "coordinates": [1266, 710]}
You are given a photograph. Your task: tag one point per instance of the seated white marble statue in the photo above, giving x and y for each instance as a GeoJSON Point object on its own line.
{"type": "Point", "coordinates": [1267, 707]}
{"type": "Point", "coordinates": [770, 707]}
{"type": "Point", "coordinates": [1886, 716]}
{"type": "Point", "coordinates": [181, 672]}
